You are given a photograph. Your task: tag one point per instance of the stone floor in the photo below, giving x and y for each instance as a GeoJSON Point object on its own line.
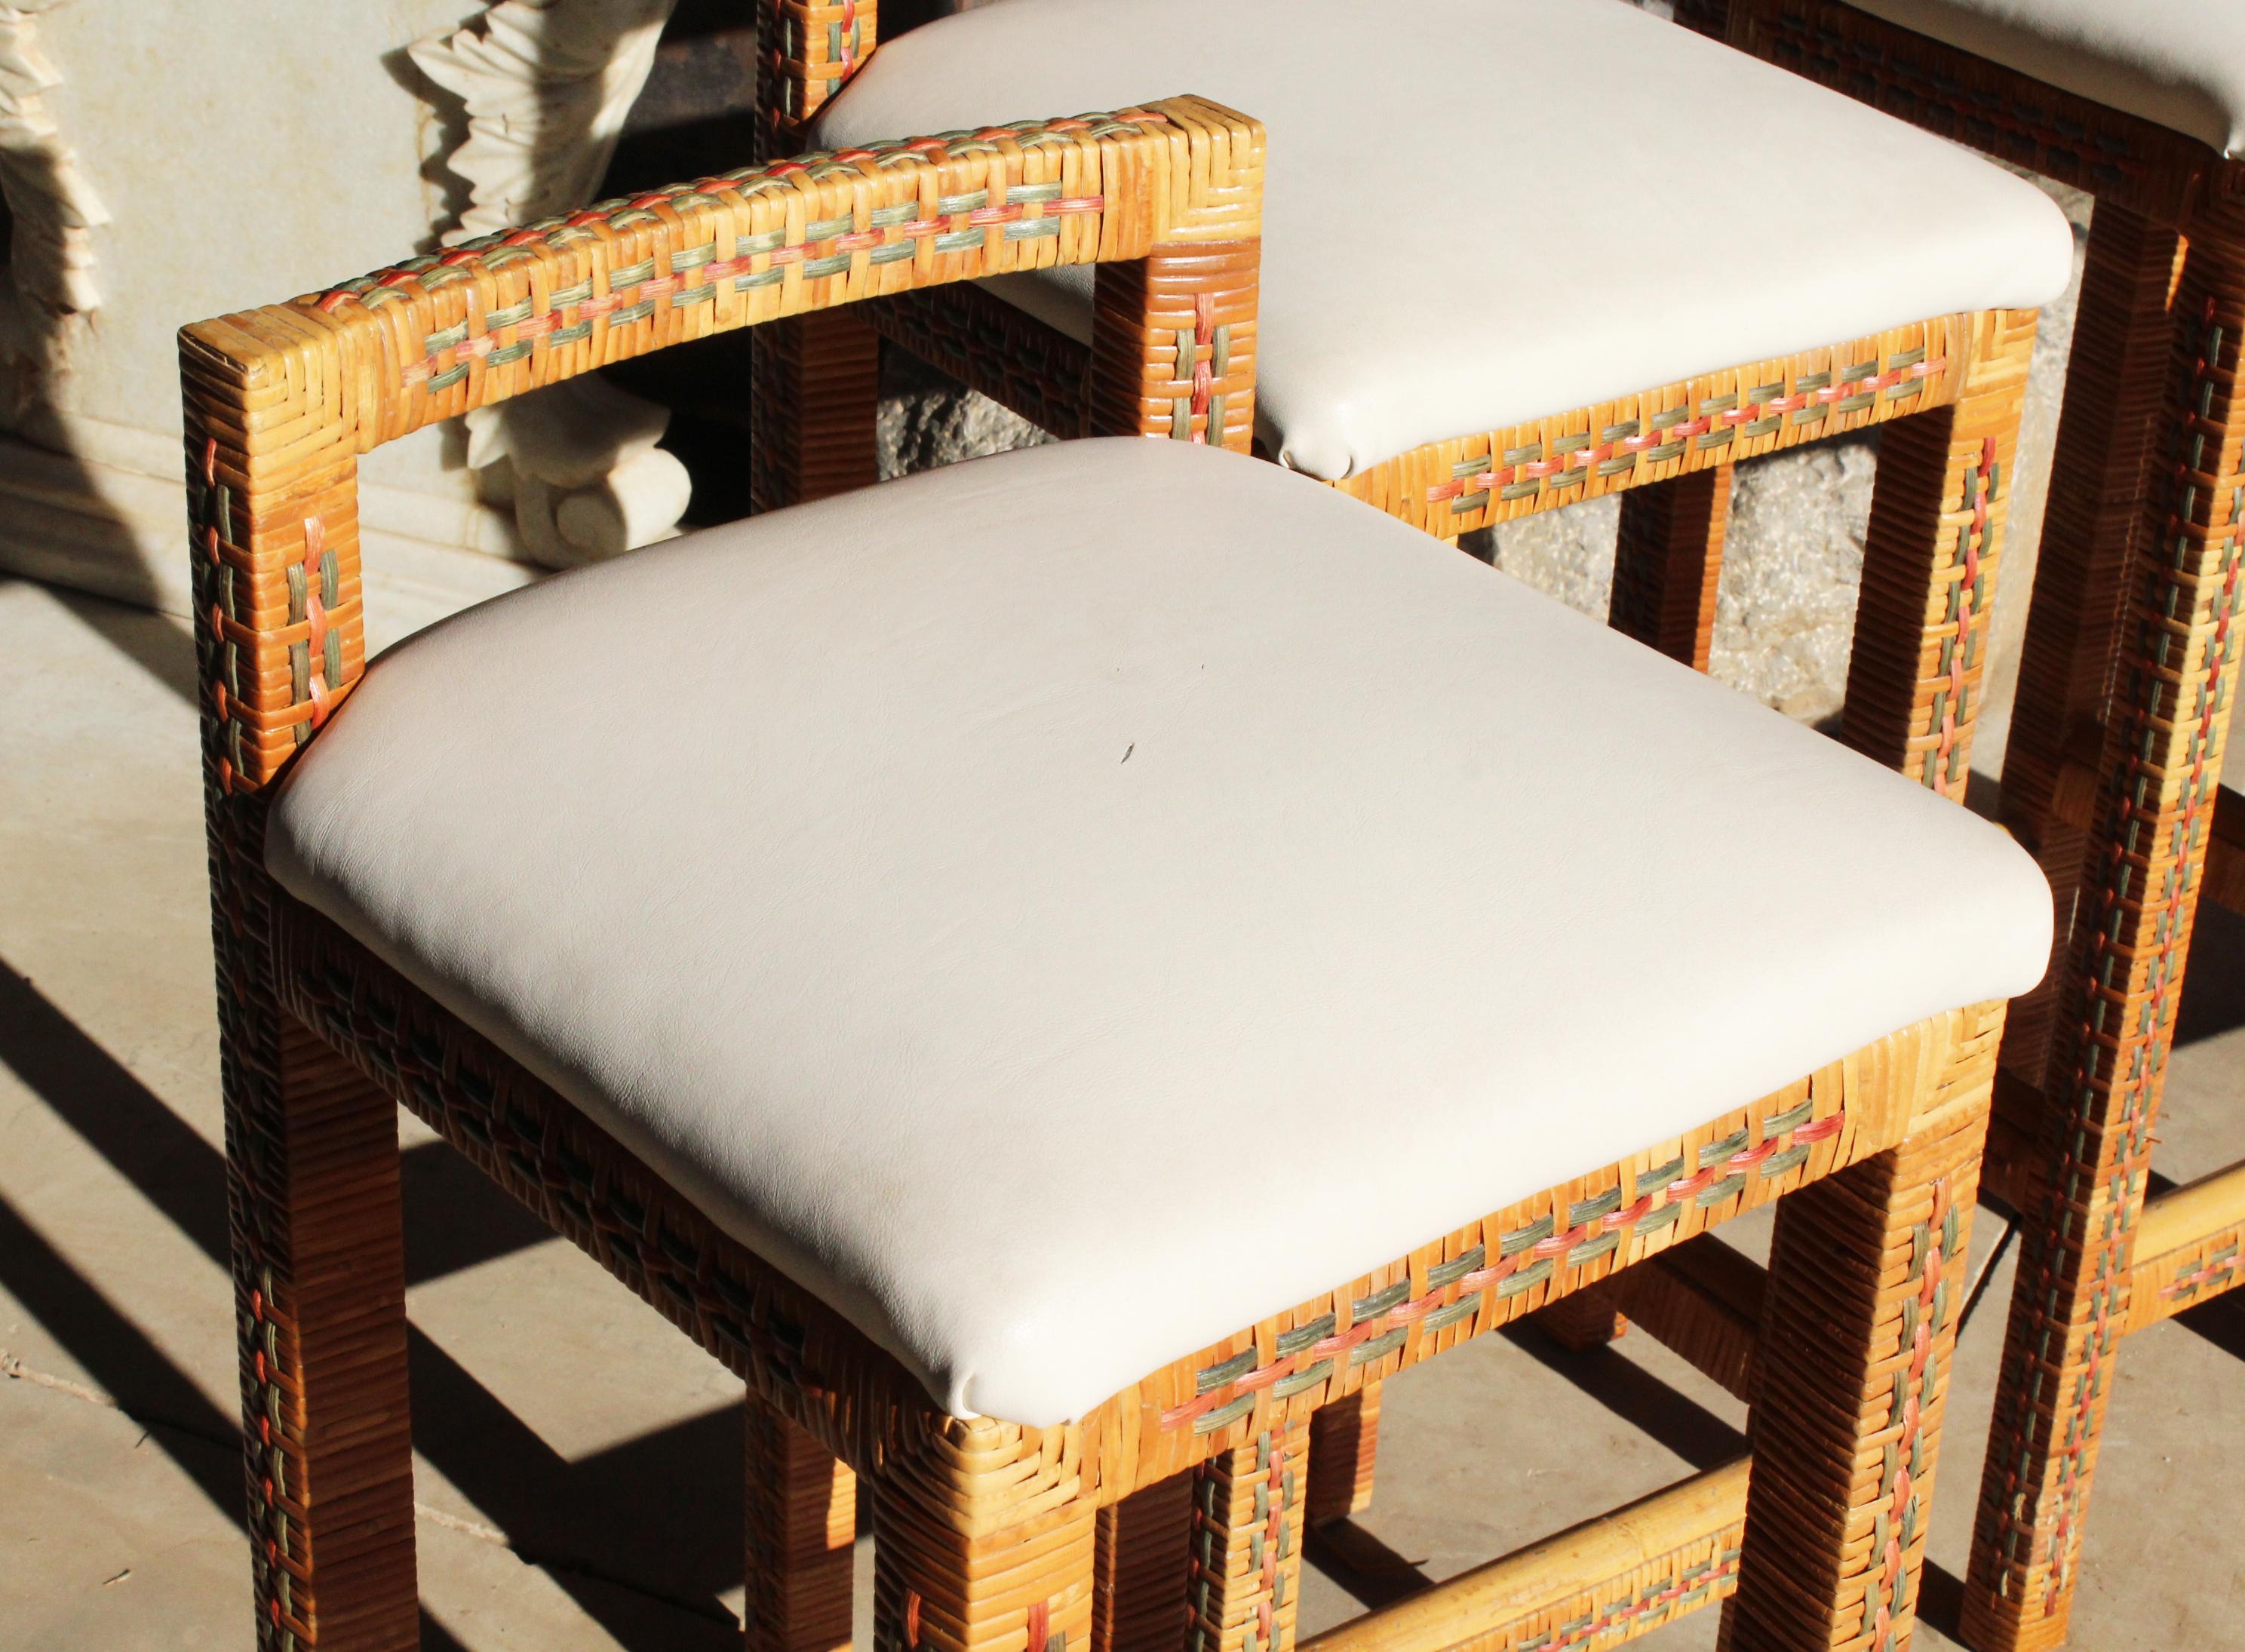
{"type": "Point", "coordinates": [576, 1459]}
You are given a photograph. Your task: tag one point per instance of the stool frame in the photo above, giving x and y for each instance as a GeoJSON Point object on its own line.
{"type": "Point", "coordinates": [2128, 673]}
{"type": "Point", "coordinates": [816, 394]}
{"type": "Point", "coordinates": [990, 1535]}
{"type": "Point", "coordinates": [1941, 504]}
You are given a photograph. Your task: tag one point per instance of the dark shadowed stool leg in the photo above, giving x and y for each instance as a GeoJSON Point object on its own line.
{"type": "Point", "coordinates": [1344, 1454]}
{"type": "Point", "coordinates": [1585, 1319]}
{"type": "Point", "coordinates": [1138, 1571]}
{"type": "Point", "coordinates": [1668, 561]}
{"type": "Point", "coordinates": [2116, 391]}
{"type": "Point", "coordinates": [814, 410]}
{"type": "Point", "coordinates": [801, 1510]}
{"type": "Point", "coordinates": [2162, 768]}
{"type": "Point", "coordinates": [1938, 509]}
{"type": "Point", "coordinates": [320, 1307]}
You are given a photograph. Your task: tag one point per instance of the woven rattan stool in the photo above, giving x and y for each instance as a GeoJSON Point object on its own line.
{"type": "Point", "coordinates": [1545, 316]}
{"type": "Point", "coordinates": [1542, 316]}
{"type": "Point", "coordinates": [935, 943]}
{"type": "Point", "coordinates": [2127, 675]}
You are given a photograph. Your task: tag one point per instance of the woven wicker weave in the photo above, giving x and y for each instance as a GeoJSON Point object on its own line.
{"type": "Point", "coordinates": [991, 1537]}
{"type": "Point", "coordinates": [1933, 550]}
{"type": "Point", "coordinates": [2128, 675]}
{"type": "Point", "coordinates": [1938, 521]}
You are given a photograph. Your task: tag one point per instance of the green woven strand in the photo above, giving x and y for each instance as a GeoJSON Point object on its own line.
{"type": "Point", "coordinates": [1224, 1371]}
{"type": "Point", "coordinates": [1381, 1301]}
{"type": "Point", "coordinates": [1379, 1347]}
{"type": "Point", "coordinates": [1223, 1416]}
{"type": "Point", "coordinates": [1446, 1273]}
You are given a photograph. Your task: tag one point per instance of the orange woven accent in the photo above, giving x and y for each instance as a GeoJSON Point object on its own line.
{"type": "Point", "coordinates": [1203, 369]}
{"type": "Point", "coordinates": [315, 615]}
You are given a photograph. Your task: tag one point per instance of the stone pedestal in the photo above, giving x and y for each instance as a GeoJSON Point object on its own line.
{"type": "Point", "coordinates": [163, 163]}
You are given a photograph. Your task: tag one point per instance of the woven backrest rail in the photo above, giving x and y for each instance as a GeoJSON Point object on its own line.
{"type": "Point", "coordinates": [280, 400]}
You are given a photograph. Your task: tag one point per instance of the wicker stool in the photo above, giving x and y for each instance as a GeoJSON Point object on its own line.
{"type": "Point", "coordinates": [946, 976]}
{"type": "Point", "coordinates": [1540, 312]}
{"type": "Point", "coordinates": [2127, 677]}
{"type": "Point", "coordinates": [1527, 304]}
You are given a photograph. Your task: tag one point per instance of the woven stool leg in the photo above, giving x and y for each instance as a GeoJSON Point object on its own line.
{"type": "Point", "coordinates": [2116, 387]}
{"type": "Point", "coordinates": [1023, 1588]}
{"type": "Point", "coordinates": [1138, 1569]}
{"type": "Point", "coordinates": [814, 408]}
{"type": "Point", "coordinates": [1929, 557]}
{"type": "Point", "coordinates": [1247, 1546]}
{"type": "Point", "coordinates": [1173, 346]}
{"type": "Point", "coordinates": [1585, 1319]}
{"type": "Point", "coordinates": [1668, 560]}
{"type": "Point", "coordinates": [1344, 1454]}
{"type": "Point", "coordinates": [1709, 17]}
{"type": "Point", "coordinates": [2176, 683]}
{"type": "Point", "coordinates": [1866, 1284]}
{"type": "Point", "coordinates": [319, 1267]}
{"type": "Point", "coordinates": [802, 1508]}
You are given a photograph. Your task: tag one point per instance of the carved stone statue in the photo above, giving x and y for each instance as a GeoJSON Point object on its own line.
{"type": "Point", "coordinates": [157, 167]}
{"type": "Point", "coordinates": [546, 84]}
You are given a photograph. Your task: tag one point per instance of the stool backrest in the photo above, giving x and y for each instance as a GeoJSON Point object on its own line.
{"type": "Point", "coordinates": [281, 401]}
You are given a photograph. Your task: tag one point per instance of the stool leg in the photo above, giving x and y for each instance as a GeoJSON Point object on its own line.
{"type": "Point", "coordinates": [1022, 1589]}
{"type": "Point", "coordinates": [1930, 558]}
{"type": "Point", "coordinates": [319, 1265]}
{"type": "Point", "coordinates": [1585, 1319]}
{"type": "Point", "coordinates": [814, 408]}
{"type": "Point", "coordinates": [2115, 391]}
{"type": "Point", "coordinates": [801, 1509]}
{"type": "Point", "coordinates": [1246, 1568]}
{"type": "Point", "coordinates": [1866, 1284]}
{"type": "Point", "coordinates": [2176, 683]}
{"type": "Point", "coordinates": [1344, 1454]}
{"type": "Point", "coordinates": [1139, 1569]}
{"type": "Point", "coordinates": [1668, 561]}
{"type": "Point", "coordinates": [1173, 346]}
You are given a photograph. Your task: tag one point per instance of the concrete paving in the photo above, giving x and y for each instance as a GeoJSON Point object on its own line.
{"type": "Point", "coordinates": [576, 1457]}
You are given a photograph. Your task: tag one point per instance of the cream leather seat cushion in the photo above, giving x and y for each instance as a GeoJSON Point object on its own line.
{"type": "Point", "coordinates": [1480, 212]}
{"type": "Point", "coordinates": [1066, 907]}
{"type": "Point", "coordinates": [2179, 63]}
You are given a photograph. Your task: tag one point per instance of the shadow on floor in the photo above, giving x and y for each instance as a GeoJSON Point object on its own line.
{"type": "Point", "coordinates": [454, 1218]}
{"type": "Point", "coordinates": [162, 646]}
{"type": "Point", "coordinates": [566, 1517]}
{"type": "Point", "coordinates": [1635, 1396]}
{"type": "Point", "coordinates": [148, 1386]}
{"type": "Point", "coordinates": [2212, 994]}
